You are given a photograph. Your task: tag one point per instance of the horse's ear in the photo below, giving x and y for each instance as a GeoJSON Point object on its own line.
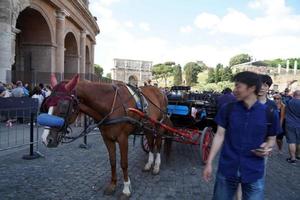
{"type": "Point", "coordinates": [53, 80]}
{"type": "Point", "coordinates": [72, 83]}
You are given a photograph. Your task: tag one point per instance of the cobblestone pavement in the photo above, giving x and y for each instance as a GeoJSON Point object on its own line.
{"type": "Point", "coordinates": [71, 173]}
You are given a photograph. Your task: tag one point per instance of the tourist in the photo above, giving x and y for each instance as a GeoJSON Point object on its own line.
{"type": "Point", "coordinates": [286, 96]}
{"type": "Point", "coordinates": [293, 126]}
{"type": "Point", "coordinates": [37, 94]}
{"type": "Point", "coordinates": [18, 91]}
{"type": "Point", "coordinates": [281, 108]}
{"type": "Point", "coordinates": [2, 90]}
{"type": "Point", "coordinates": [226, 97]}
{"type": "Point", "coordinates": [247, 141]}
{"type": "Point", "coordinates": [266, 81]}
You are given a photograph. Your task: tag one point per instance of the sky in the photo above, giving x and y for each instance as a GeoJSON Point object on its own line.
{"type": "Point", "coordinates": [211, 31]}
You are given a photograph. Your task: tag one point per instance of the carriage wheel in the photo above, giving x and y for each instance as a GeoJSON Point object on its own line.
{"type": "Point", "coordinates": [207, 136]}
{"type": "Point", "coordinates": [144, 144]}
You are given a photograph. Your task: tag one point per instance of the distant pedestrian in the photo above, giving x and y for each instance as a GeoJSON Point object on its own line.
{"type": "Point", "coordinates": [19, 90]}
{"type": "Point", "coordinates": [281, 108]}
{"type": "Point", "coordinates": [225, 98]}
{"type": "Point", "coordinates": [293, 126]}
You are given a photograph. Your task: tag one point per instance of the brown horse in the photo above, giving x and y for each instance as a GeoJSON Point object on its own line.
{"type": "Point", "coordinates": [107, 103]}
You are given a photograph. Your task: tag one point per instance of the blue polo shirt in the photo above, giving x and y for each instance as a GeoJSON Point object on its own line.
{"type": "Point", "coordinates": [246, 129]}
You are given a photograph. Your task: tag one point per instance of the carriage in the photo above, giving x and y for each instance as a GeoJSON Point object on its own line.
{"type": "Point", "coordinates": [192, 116]}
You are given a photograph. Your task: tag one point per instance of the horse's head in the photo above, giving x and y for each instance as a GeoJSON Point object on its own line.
{"type": "Point", "coordinates": [62, 108]}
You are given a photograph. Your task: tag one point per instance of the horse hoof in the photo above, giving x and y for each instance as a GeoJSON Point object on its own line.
{"type": "Point", "coordinates": [155, 172]}
{"type": "Point", "coordinates": [124, 197]}
{"type": "Point", "coordinates": [145, 169]}
{"type": "Point", "coordinates": [109, 190]}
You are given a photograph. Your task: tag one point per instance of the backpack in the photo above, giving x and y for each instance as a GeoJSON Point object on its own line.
{"type": "Point", "coordinates": [269, 114]}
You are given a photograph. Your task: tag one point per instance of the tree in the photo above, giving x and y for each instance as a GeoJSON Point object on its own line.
{"type": "Point", "coordinates": [177, 75]}
{"type": "Point", "coordinates": [211, 76]}
{"type": "Point", "coordinates": [191, 71]}
{"type": "Point", "coordinates": [108, 75]}
{"type": "Point", "coordinates": [219, 74]}
{"type": "Point", "coordinates": [98, 70]}
{"type": "Point", "coordinates": [239, 59]}
{"type": "Point", "coordinates": [162, 71]}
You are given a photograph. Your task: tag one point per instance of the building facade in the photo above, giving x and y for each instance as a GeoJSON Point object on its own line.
{"type": "Point", "coordinates": [135, 72]}
{"type": "Point", "coordinates": [39, 37]}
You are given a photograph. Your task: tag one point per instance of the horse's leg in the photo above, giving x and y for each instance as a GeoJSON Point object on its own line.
{"type": "Point", "coordinates": [156, 168]}
{"type": "Point", "coordinates": [123, 145]}
{"type": "Point", "coordinates": [150, 140]}
{"type": "Point", "coordinates": [111, 147]}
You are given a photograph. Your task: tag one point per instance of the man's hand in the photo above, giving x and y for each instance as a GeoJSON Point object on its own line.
{"type": "Point", "coordinates": [265, 150]}
{"type": "Point", "coordinates": [207, 171]}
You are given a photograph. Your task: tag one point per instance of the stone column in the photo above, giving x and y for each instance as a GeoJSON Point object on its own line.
{"type": "Point", "coordinates": [279, 69]}
{"type": "Point", "coordinates": [14, 33]}
{"type": "Point", "coordinates": [92, 55]}
{"type": "Point", "coordinates": [295, 67]}
{"type": "Point", "coordinates": [60, 41]}
{"type": "Point", "coordinates": [82, 52]}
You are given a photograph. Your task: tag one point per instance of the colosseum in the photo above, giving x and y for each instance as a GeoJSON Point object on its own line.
{"type": "Point", "coordinates": [39, 37]}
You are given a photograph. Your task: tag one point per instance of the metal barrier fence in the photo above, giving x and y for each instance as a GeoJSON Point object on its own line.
{"type": "Point", "coordinates": [17, 119]}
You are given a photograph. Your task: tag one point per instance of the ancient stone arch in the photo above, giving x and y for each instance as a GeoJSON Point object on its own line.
{"type": "Point", "coordinates": [71, 54]}
{"type": "Point", "coordinates": [33, 45]}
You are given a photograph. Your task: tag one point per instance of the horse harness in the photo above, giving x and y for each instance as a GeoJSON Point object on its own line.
{"type": "Point", "coordinates": [69, 103]}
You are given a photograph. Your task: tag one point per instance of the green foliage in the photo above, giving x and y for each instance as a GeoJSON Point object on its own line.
{"type": "Point", "coordinates": [219, 74]}
{"type": "Point", "coordinates": [108, 75]}
{"type": "Point", "coordinates": [177, 75]}
{"type": "Point", "coordinates": [282, 62]}
{"type": "Point", "coordinates": [162, 71]}
{"type": "Point", "coordinates": [216, 87]}
{"type": "Point", "coordinates": [239, 59]}
{"type": "Point", "coordinates": [98, 70]}
{"type": "Point", "coordinates": [191, 71]}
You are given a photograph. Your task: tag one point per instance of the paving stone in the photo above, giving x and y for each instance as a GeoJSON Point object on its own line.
{"type": "Point", "coordinates": [71, 173]}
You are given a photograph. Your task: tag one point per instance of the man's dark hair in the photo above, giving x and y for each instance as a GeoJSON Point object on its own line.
{"type": "Point", "coordinates": [41, 85]}
{"type": "Point", "coordinates": [266, 79]}
{"type": "Point", "coordinates": [226, 90]}
{"type": "Point", "coordinates": [250, 79]}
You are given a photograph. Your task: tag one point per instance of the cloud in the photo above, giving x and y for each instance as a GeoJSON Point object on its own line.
{"type": "Point", "coordinates": [277, 19]}
{"type": "Point", "coordinates": [270, 7]}
{"type": "Point", "coordinates": [264, 37]}
{"type": "Point", "coordinates": [129, 24]}
{"type": "Point", "coordinates": [144, 26]}
{"type": "Point", "coordinates": [206, 21]}
{"type": "Point", "coordinates": [186, 29]}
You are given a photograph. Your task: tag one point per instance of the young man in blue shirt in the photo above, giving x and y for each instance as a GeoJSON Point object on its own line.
{"type": "Point", "coordinates": [245, 137]}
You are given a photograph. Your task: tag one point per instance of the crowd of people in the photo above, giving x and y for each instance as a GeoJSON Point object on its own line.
{"type": "Point", "coordinates": [19, 89]}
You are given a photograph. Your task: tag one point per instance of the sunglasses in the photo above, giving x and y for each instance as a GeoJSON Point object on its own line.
{"type": "Point", "coordinates": [277, 98]}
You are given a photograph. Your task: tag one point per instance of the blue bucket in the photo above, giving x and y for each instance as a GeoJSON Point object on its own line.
{"type": "Point", "coordinates": [178, 110]}
{"type": "Point", "coordinates": [50, 120]}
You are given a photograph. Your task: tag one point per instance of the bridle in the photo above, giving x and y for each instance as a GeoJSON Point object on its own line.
{"type": "Point", "coordinates": [68, 104]}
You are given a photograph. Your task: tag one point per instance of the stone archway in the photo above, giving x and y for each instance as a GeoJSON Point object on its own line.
{"type": "Point", "coordinates": [33, 50]}
{"type": "Point", "coordinates": [71, 56]}
{"type": "Point", "coordinates": [88, 69]}
{"type": "Point", "coordinates": [133, 80]}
